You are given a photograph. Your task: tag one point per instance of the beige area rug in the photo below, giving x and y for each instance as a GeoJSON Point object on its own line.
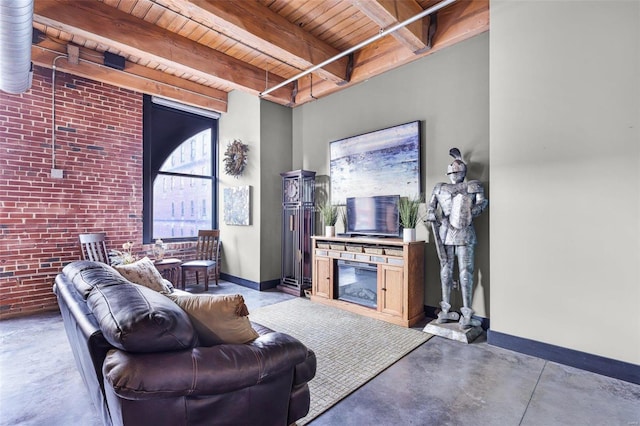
{"type": "Point", "coordinates": [350, 349]}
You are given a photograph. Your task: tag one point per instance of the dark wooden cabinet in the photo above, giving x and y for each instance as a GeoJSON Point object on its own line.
{"type": "Point", "coordinates": [298, 223]}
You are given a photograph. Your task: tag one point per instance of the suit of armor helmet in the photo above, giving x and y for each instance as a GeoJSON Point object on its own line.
{"type": "Point", "coordinates": [452, 208]}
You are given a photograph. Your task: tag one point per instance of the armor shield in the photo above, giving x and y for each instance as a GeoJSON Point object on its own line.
{"type": "Point", "coordinates": [475, 187]}
{"type": "Point", "coordinates": [460, 217]}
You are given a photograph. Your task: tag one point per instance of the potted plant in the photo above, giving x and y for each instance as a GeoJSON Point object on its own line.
{"type": "Point", "coordinates": [409, 210]}
{"type": "Point", "coordinates": [123, 257]}
{"type": "Point", "coordinates": [342, 212]}
{"type": "Point", "coordinates": [329, 213]}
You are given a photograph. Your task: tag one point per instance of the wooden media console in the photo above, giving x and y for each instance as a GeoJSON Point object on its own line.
{"type": "Point", "coordinates": [381, 278]}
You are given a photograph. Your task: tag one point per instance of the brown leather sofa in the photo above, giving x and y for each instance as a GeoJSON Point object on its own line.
{"type": "Point", "coordinates": [142, 364]}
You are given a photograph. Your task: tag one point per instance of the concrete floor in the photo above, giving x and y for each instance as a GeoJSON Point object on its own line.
{"type": "Point", "coordinates": [442, 382]}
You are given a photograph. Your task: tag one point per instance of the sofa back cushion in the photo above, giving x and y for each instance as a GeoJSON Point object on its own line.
{"type": "Point", "coordinates": [136, 319]}
{"type": "Point", "coordinates": [85, 275]}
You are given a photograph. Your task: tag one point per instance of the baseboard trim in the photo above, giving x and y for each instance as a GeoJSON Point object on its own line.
{"type": "Point", "coordinates": [266, 285]}
{"type": "Point", "coordinates": [594, 363]}
{"type": "Point", "coordinates": [261, 286]}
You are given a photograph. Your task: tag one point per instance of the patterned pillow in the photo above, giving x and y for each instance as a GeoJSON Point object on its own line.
{"type": "Point", "coordinates": [144, 272]}
{"type": "Point", "coordinates": [217, 318]}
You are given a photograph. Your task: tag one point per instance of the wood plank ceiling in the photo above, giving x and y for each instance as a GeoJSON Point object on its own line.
{"type": "Point", "coordinates": [197, 51]}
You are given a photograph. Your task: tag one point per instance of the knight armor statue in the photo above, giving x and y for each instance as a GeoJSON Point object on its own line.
{"type": "Point", "coordinates": [452, 208]}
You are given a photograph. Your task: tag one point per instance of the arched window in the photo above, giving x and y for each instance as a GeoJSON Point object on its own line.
{"type": "Point", "coordinates": [169, 134]}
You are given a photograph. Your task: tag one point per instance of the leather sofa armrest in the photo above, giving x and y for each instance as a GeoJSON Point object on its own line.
{"type": "Point", "coordinates": [305, 370]}
{"type": "Point", "coordinates": [202, 370]}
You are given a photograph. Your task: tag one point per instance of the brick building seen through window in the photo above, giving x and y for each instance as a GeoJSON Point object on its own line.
{"type": "Point", "coordinates": [184, 180]}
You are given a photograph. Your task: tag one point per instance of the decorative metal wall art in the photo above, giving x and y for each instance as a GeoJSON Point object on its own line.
{"type": "Point", "coordinates": [235, 158]}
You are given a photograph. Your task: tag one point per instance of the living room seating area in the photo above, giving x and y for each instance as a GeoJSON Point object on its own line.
{"type": "Point", "coordinates": [440, 382]}
{"type": "Point", "coordinates": [548, 121]}
{"type": "Point", "coordinates": [143, 361]}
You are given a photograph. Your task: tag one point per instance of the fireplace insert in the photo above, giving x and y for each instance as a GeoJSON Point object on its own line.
{"type": "Point", "coordinates": [358, 283]}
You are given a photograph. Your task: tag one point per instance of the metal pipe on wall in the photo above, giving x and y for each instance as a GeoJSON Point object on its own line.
{"type": "Point", "coordinates": [53, 111]}
{"type": "Point", "coordinates": [16, 23]}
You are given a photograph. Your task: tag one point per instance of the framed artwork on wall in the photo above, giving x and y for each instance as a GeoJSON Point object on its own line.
{"type": "Point", "coordinates": [383, 162]}
{"type": "Point", "coordinates": [237, 206]}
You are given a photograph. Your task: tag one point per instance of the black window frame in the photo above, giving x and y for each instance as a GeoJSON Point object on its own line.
{"type": "Point", "coordinates": [164, 129]}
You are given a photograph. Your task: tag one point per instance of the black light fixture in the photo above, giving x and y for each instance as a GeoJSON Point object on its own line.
{"type": "Point", "coordinates": [37, 36]}
{"type": "Point", "coordinates": [112, 60]}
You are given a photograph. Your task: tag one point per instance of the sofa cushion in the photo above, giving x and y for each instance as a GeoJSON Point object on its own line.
{"type": "Point", "coordinates": [135, 318]}
{"type": "Point", "coordinates": [85, 275]}
{"type": "Point", "coordinates": [144, 272]}
{"type": "Point", "coordinates": [217, 318]}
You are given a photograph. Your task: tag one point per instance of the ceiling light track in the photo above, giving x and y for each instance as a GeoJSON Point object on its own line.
{"type": "Point", "coordinates": [368, 41]}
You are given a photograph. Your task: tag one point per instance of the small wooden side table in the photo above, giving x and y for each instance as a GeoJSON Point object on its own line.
{"type": "Point", "coordinates": [170, 269]}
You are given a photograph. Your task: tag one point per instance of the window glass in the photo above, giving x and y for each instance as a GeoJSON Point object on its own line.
{"type": "Point", "coordinates": [191, 165]}
{"type": "Point", "coordinates": [191, 184]}
{"type": "Point", "coordinates": [179, 171]}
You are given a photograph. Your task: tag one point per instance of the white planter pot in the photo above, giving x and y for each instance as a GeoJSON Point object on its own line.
{"type": "Point", "coordinates": [408, 235]}
{"type": "Point", "coordinates": [329, 231]}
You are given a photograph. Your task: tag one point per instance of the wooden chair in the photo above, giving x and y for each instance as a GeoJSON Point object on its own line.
{"type": "Point", "coordinates": [93, 247]}
{"type": "Point", "coordinates": [207, 257]}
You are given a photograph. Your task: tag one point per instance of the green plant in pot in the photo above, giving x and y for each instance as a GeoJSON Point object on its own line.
{"type": "Point", "coordinates": [409, 211]}
{"type": "Point", "coordinates": [342, 213]}
{"type": "Point", "coordinates": [329, 213]}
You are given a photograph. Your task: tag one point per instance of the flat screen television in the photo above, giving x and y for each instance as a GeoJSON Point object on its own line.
{"type": "Point", "coordinates": [374, 216]}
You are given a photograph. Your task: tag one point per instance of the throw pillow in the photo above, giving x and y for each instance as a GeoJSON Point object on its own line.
{"type": "Point", "coordinates": [217, 318]}
{"type": "Point", "coordinates": [144, 272]}
{"type": "Point", "coordinates": [168, 284]}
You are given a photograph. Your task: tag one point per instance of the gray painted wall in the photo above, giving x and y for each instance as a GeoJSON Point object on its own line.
{"type": "Point", "coordinates": [449, 92]}
{"type": "Point", "coordinates": [565, 182]}
{"type": "Point", "coordinates": [253, 252]}
{"type": "Point", "coordinates": [275, 158]}
{"type": "Point", "coordinates": [241, 244]}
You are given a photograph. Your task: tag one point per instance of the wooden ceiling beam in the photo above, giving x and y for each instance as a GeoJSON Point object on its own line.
{"type": "Point", "coordinates": [387, 13]}
{"type": "Point", "coordinates": [147, 81]}
{"type": "Point", "coordinates": [112, 27]}
{"type": "Point", "coordinates": [259, 27]}
{"type": "Point", "coordinates": [456, 22]}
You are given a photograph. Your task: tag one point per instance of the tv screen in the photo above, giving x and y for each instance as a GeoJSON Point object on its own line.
{"type": "Point", "coordinates": [377, 215]}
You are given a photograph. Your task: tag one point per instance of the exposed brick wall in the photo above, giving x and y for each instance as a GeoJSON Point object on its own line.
{"type": "Point", "coordinates": [99, 148]}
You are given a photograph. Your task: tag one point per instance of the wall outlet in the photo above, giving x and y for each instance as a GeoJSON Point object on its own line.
{"type": "Point", "coordinates": [57, 173]}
